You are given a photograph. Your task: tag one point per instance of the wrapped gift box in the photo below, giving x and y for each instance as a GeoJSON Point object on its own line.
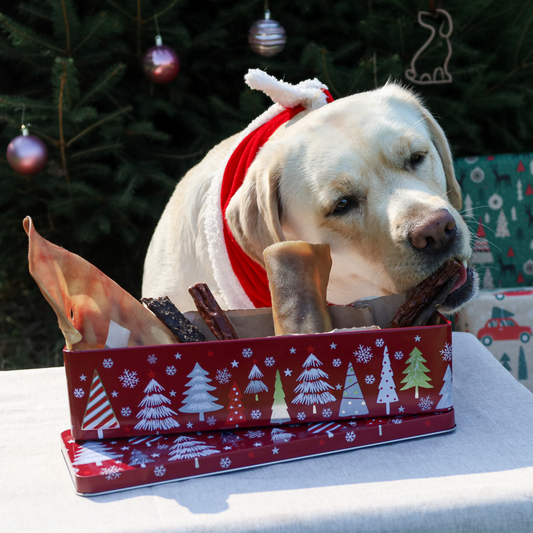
{"type": "Point", "coordinates": [503, 321]}
{"type": "Point", "coordinates": [259, 381]}
{"type": "Point", "coordinates": [101, 466]}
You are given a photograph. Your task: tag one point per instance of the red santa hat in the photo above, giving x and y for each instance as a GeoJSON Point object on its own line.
{"type": "Point", "coordinates": [241, 280]}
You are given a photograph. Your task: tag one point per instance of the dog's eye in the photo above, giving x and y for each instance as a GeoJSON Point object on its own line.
{"type": "Point", "coordinates": [344, 205]}
{"type": "Point", "coordinates": [416, 160]}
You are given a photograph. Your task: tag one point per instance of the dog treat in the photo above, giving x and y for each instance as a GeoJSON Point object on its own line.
{"type": "Point", "coordinates": [298, 275]}
{"type": "Point", "coordinates": [173, 319]}
{"type": "Point", "coordinates": [427, 297]}
{"type": "Point", "coordinates": [213, 315]}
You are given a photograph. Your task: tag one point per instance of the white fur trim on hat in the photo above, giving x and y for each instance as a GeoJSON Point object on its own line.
{"type": "Point", "coordinates": [307, 93]}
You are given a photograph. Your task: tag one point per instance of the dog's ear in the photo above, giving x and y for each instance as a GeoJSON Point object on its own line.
{"type": "Point", "coordinates": [443, 148]}
{"type": "Point", "coordinates": [254, 212]}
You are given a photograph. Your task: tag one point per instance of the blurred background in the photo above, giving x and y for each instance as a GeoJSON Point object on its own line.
{"type": "Point", "coordinates": [119, 136]}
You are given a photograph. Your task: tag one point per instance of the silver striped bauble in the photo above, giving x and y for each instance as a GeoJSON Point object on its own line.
{"type": "Point", "coordinates": [267, 37]}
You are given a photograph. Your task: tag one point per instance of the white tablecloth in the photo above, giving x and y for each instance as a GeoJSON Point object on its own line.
{"type": "Point", "coordinates": [477, 478]}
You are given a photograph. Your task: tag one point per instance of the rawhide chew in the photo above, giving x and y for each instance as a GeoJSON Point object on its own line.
{"type": "Point", "coordinates": [213, 315]}
{"type": "Point", "coordinates": [170, 315]}
{"type": "Point", "coordinates": [298, 275]}
{"type": "Point", "coordinates": [427, 297]}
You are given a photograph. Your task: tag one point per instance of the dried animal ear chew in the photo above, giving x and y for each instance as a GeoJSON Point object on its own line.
{"type": "Point", "coordinates": [427, 297]}
{"type": "Point", "coordinates": [213, 315]}
{"type": "Point", "coordinates": [170, 315]}
{"type": "Point", "coordinates": [298, 275]}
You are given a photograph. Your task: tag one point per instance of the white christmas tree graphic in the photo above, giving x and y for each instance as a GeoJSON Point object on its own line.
{"type": "Point", "coordinates": [185, 447]}
{"type": "Point", "coordinates": [235, 407]}
{"type": "Point", "coordinates": [415, 371]}
{"type": "Point", "coordinates": [502, 228]}
{"type": "Point", "coordinates": [256, 385]}
{"type": "Point", "coordinates": [94, 452]}
{"type": "Point", "coordinates": [99, 414]}
{"type": "Point", "coordinates": [387, 387]}
{"type": "Point", "coordinates": [446, 391]}
{"type": "Point", "coordinates": [280, 413]}
{"type": "Point", "coordinates": [139, 458]}
{"type": "Point", "coordinates": [154, 415]}
{"type": "Point", "coordinates": [312, 388]}
{"type": "Point", "coordinates": [279, 435]}
{"type": "Point", "coordinates": [352, 402]}
{"type": "Point", "coordinates": [197, 398]}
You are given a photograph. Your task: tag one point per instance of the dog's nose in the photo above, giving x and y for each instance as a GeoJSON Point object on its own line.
{"type": "Point", "coordinates": [434, 234]}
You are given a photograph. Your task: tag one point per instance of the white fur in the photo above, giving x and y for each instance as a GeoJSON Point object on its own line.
{"type": "Point", "coordinates": [356, 144]}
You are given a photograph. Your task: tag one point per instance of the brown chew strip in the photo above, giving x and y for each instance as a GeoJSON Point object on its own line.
{"type": "Point", "coordinates": [169, 314]}
{"type": "Point", "coordinates": [298, 275]}
{"type": "Point", "coordinates": [212, 313]}
{"type": "Point", "coordinates": [427, 297]}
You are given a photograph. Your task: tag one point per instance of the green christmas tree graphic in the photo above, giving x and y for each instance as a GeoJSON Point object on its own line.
{"type": "Point", "coordinates": [416, 372]}
{"type": "Point", "coordinates": [505, 361]}
{"type": "Point", "coordinates": [522, 364]}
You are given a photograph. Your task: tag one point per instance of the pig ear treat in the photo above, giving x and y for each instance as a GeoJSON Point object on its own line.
{"type": "Point", "coordinates": [93, 311]}
{"type": "Point", "coordinates": [298, 275]}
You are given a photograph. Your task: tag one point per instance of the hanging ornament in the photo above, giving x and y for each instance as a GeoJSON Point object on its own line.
{"type": "Point", "coordinates": [266, 36]}
{"type": "Point", "coordinates": [440, 74]}
{"type": "Point", "coordinates": [160, 63]}
{"type": "Point", "coordinates": [26, 153]}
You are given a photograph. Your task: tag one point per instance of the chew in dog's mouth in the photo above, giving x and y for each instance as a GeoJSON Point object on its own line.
{"type": "Point", "coordinates": [464, 289]}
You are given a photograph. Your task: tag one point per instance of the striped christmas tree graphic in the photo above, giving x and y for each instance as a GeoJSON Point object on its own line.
{"type": "Point", "coordinates": [99, 414]}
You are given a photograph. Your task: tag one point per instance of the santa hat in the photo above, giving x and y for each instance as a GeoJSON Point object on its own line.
{"type": "Point", "coordinates": [242, 281]}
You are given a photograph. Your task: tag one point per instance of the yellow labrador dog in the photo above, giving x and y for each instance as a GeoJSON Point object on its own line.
{"type": "Point", "coordinates": [370, 175]}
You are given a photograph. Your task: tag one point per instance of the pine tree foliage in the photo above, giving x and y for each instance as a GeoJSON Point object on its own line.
{"type": "Point", "coordinates": [118, 143]}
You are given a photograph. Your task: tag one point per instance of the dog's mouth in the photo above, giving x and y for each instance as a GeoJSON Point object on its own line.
{"type": "Point", "coordinates": [463, 291]}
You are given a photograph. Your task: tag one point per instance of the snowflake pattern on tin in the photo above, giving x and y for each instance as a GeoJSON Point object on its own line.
{"type": "Point", "coordinates": [129, 379]}
{"type": "Point", "coordinates": [425, 403]}
{"type": "Point", "coordinates": [171, 370]}
{"type": "Point", "coordinates": [300, 416]}
{"type": "Point", "coordinates": [225, 462]}
{"type": "Point", "coordinates": [326, 413]}
{"type": "Point", "coordinates": [396, 420]}
{"type": "Point", "coordinates": [111, 472]}
{"type": "Point", "coordinates": [370, 379]}
{"type": "Point", "coordinates": [223, 376]}
{"type": "Point", "coordinates": [337, 362]}
{"type": "Point", "coordinates": [247, 352]}
{"type": "Point", "coordinates": [446, 352]}
{"type": "Point", "coordinates": [160, 470]}
{"type": "Point", "coordinates": [398, 355]}
{"type": "Point", "coordinates": [107, 363]}
{"type": "Point", "coordinates": [152, 359]}
{"type": "Point", "coordinates": [269, 361]}
{"type": "Point", "coordinates": [211, 420]}
{"type": "Point", "coordinates": [79, 393]}
{"type": "Point", "coordinates": [125, 411]}
{"type": "Point", "coordinates": [350, 436]}
{"type": "Point", "coordinates": [363, 354]}
{"type": "Point", "coordinates": [380, 343]}
{"type": "Point", "coordinates": [254, 434]}
{"type": "Point", "coordinates": [256, 414]}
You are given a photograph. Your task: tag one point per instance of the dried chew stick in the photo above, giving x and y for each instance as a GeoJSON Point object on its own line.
{"type": "Point", "coordinates": [213, 315]}
{"type": "Point", "coordinates": [298, 275]}
{"type": "Point", "coordinates": [427, 297]}
{"type": "Point", "coordinates": [169, 314]}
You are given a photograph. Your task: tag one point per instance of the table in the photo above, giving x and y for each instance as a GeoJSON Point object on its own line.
{"type": "Point", "coordinates": [477, 478]}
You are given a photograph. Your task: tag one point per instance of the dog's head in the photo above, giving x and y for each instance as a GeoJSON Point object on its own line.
{"type": "Point", "coordinates": [372, 176]}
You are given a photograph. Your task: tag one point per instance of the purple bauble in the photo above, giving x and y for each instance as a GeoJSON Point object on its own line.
{"type": "Point", "coordinates": [160, 63]}
{"type": "Point", "coordinates": [27, 154]}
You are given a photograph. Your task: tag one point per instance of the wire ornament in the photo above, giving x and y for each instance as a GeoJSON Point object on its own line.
{"type": "Point", "coordinates": [440, 74]}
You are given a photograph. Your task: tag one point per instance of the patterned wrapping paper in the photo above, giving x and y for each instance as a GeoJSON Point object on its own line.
{"type": "Point", "coordinates": [498, 207]}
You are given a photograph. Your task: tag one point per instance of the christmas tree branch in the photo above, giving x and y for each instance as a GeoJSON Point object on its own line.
{"type": "Point", "coordinates": [67, 27]}
{"type": "Point", "coordinates": [29, 37]}
{"type": "Point", "coordinates": [94, 150]}
{"type": "Point", "coordinates": [118, 8]}
{"type": "Point", "coordinates": [163, 11]}
{"type": "Point", "coordinates": [96, 124]}
{"type": "Point", "coordinates": [61, 135]}
{"type": "Point", "coordinates": [91, 33]}
{"type": "Point", "coordinates": [139, 22]}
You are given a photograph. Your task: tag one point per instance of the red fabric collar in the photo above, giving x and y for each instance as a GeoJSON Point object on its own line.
{"type": "Point", "coordinates": [251, 275]}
